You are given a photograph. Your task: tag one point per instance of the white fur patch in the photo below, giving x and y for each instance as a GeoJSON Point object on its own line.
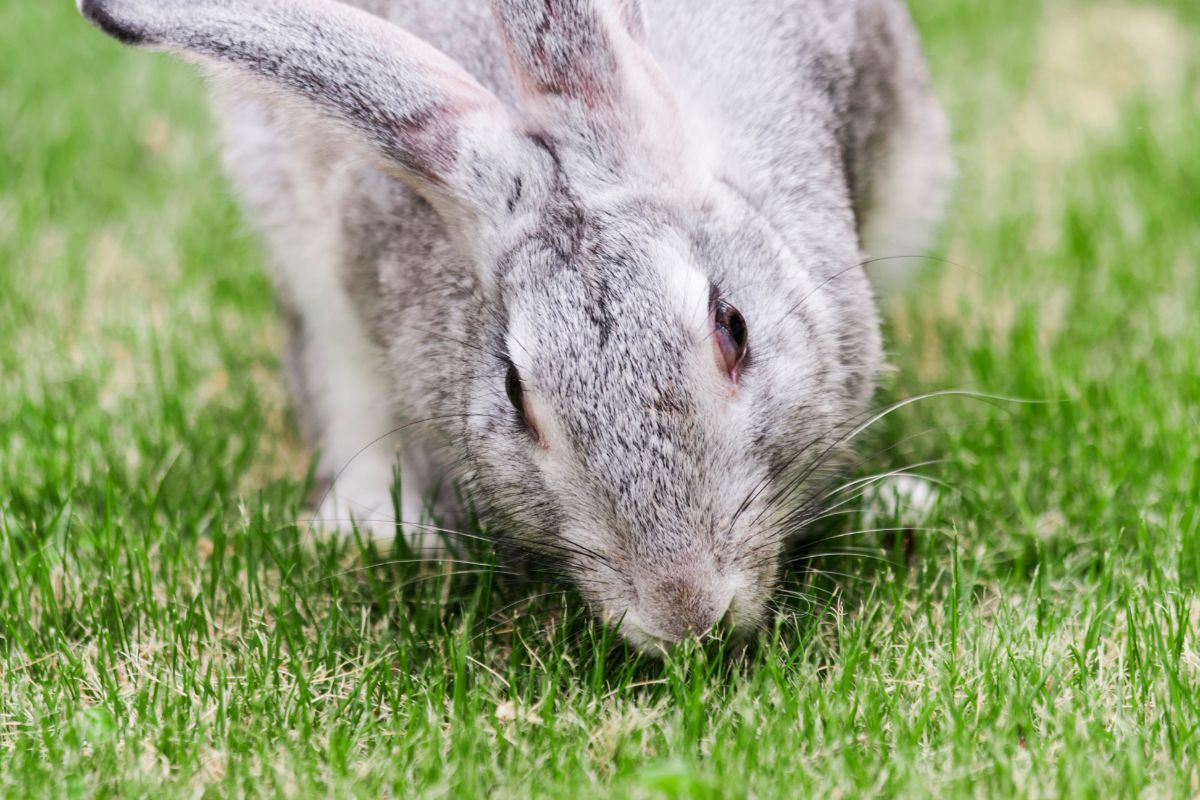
{"type": "Point", "coordinates": [687, 289]}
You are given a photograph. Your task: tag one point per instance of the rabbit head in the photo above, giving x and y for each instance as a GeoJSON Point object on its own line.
{"type": "Point", "coordinates": [662, 363]}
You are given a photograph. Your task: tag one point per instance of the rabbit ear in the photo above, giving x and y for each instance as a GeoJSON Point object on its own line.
{"type": "Point", "coordinates": [570, 48]}
{"type": "Point", "coordinates": [633, 15]}
{"type": "Point", "coordinates": [410, 102]}
{"type": "Point", "coordinates": [586, 61]}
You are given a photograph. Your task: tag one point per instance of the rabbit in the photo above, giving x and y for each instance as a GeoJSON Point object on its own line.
{"type": "Point", "coordinates": [598, 262]}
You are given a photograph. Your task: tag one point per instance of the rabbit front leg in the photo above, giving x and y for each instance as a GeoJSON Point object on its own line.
{"type": "Point", "coordinates": [342, 394]}
{"type": "Point", "coordinates": [334, 371]}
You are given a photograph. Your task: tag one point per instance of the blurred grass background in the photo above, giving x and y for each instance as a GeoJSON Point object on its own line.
{"type": "Point", "coordinates": [165, 628]}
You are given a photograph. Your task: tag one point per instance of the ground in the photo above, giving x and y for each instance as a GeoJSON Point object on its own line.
{"type": "Point", "coordinates": [166, 628]}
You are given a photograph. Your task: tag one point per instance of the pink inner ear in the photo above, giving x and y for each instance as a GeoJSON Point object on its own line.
{"type": "Point", "coordinates": [428, 140]}
{"type": "Point", "coordinates": [633, 19]}
{"type": "Point", "coordinates": [580, 50]}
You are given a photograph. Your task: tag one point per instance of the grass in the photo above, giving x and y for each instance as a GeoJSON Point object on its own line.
{"type": "Point", "coordinates": [166, 630]}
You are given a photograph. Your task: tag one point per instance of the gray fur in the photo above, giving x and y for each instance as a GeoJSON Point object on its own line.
{"type": "Point", "coordinates": [572, 216]}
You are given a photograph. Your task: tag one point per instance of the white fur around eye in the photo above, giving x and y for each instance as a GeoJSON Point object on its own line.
{"type": "Point", "coordinates": [519, 343]}
{"type": "Point", "coordinates": [687, 289]}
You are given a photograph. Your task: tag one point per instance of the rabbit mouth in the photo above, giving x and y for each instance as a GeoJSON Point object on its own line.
{"type": "Point", "coordinates": [658, 641]}
{"type": "Point", "coordinates": [662, 615]}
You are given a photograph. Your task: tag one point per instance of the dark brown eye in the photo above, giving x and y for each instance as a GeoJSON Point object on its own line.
{"type": "Point", "coordinates": [516, 393]}
{"type": "Point", "coordinates": [732, 338]}
{"type": "Point", "coordinates": [515, 388]}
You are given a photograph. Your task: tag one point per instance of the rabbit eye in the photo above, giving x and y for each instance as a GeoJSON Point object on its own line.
{"type": "Point", "coordinates": [732, 338]}
{"type": "Point", "coordinates": [515, 389]}
{"type": "Point", "coordinates": [516, 393]}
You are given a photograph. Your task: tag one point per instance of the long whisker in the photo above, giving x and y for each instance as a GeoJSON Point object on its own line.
{"type": "Point", "coordinates": [799, 518]}
{"type": "Point", "coordinates": [900, 529]}
{"type": "Point", "coordinates": [410, 561]}
{"type": "Point", "coordinates": [859, 553]}
{"type": "Point", "coordinates": [862, 265]}
{"type": "Point", "coordinates": [908, 401]}
{"type": "Point", "coordinates": [337, 476]}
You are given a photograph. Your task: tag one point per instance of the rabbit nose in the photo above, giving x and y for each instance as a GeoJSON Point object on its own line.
{"type": "Point", "coordinates": [675, 608]}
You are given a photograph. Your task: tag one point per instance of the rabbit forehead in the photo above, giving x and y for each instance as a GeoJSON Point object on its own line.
{"type": "Point", "coordinates": [627, 295]}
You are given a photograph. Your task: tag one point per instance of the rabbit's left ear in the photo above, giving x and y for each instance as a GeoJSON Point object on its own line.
{"type": "Point", "coordinates": [583, 64]}
{"type": "Point", "coordinates": [408, 102]}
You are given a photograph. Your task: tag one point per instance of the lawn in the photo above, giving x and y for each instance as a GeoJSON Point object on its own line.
{"type": "Point", "coordinates": [168, 629]}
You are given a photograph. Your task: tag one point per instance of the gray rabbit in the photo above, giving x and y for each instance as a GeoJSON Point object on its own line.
{"type": "Point", "coordinates": [598, 261]}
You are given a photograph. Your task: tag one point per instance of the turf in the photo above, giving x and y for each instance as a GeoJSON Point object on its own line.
{"type": "Point", "coordinates": [167, 629]}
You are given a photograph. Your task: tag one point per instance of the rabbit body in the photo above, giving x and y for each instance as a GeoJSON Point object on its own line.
{"type": "Point", "coordinates": [671, 162]}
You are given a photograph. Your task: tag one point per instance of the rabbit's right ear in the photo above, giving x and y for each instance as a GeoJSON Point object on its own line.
{"type": "Point", "coordinates": [429, 119]}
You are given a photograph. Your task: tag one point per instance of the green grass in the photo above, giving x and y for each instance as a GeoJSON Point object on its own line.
{"type": "Point", "coordinates": [166, 630]}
